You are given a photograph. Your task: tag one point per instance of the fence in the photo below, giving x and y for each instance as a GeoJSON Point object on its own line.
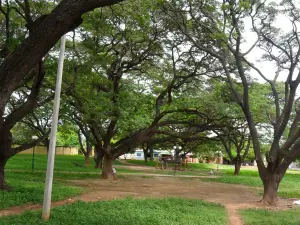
{"type": "Point", "coordinates": [58, 151]}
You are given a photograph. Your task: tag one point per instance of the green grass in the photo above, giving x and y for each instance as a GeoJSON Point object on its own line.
{"type": "Point", "coordinates": [265, 217]}
{"type": "Point", "coordinates": [288, 188]}
{"type": "Point", "coordinates": [28, 188]}
{"type": "Point", "coordinates": [194, 166]}
{"type": "Point", "coordinates": [142, 162]}
{"type": "Point", "coordinates": [62, 163]}
{"type": "Point", "coordinates": [168, 211]}
{"type": "Point", "coordinates": [28, 185]}
{"type": "Point", "coordinates": [178, 173]}
{"type": "Point", "coordinates": [207, 166]}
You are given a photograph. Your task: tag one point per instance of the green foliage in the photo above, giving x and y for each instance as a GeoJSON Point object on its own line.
{"type": "Point", "coordinates": [22, 134]}
{"type": "Point", "coordinates": [208, 150]}
{"type": "Point", "coordinates": [261, 102]}
{"type": "Point", "coordinates": [245, 4]}
{"type": "Point", "coordinates": [251, 155]}
{"type": "Point", "coordinates": [175, 211]}
{"type": "Point", "coordinates": [266, 217]}
{"type": "Point", "coordinates": [67, 135]}
{"type": "Point", "coordinates": [117, 48]}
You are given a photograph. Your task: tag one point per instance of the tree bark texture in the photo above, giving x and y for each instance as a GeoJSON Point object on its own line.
{"type": "Point", "coordinates": [107, 171]}
{"type": "Point", "coordinates": [271, 183]}
{"type": "Point", "coordinates": [87, 159]}
{"type": "Point", "coordinates": [3, 185]}
{"type": "Point", "coordinates": [237, 167]}
{"type": "Point", "coordinates": [98, 157]}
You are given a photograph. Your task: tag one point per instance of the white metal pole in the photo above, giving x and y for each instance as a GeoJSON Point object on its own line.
{"type": "Point", "coordinates": [51, 153]}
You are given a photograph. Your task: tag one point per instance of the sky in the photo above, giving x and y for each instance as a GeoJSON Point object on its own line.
{"type": "Point", "coordinates": [268, 68]}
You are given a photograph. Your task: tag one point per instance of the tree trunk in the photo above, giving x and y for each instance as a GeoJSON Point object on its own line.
{"type": "Point", "coordinates": [98, 157]}
{"type": "Point", "coordinates": [151, 153]}
{"type": "Point", "coordinates": [3, 185]}
{"type": "Point", "coordinates": [87, 159]}
{"type": "Point", "coordinates": [177, 158]}
{"type": "Point", "coordinates": [6, 152]}
{"type": "Point", "coordinates": [47, 143]}
{"type": "Point", "coordinates": [145, 154]}
{"type": "Point", "coordinates": [107, 171]}
{"type": "Point", "coordinates": [271, 183]}
{"type": "Point", "coordinates": [237, 167]}
{"type": "Point", "coordinates": [89, 148]}
{"type": "Point", "coordinates": [98, 161]}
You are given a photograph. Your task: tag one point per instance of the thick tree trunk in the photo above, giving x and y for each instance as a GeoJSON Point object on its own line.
{"type": "Point", "coordinates": [271, 183]}
{"type": "Point", "coordinates": [237, 167]}
{"type": "Point", "coordinates": [107, 171]}
{"type": "Point", "coordinates": [3, 185]}
{"type": "Point", "coordinates": [5, 153]}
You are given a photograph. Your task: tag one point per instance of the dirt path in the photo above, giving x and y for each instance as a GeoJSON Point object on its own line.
{"type": "Point", "coordinates": [135, 167]}
{"type": "Point", "coordinates": [233, 215]}
{"type": "Point", "coordinates": [178, 175]}
{"type": "Point", "coordinates": [233, 197]}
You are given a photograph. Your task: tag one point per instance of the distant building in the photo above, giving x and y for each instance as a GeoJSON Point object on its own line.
{"type": "Point", "coordinates": [59, 150]}
{"type": "Point", "coordinates": [293, 165]}
{"type": "Point", "coordinates": [191, 159]}
{"type": "Point", "coordinates": [139, 155]}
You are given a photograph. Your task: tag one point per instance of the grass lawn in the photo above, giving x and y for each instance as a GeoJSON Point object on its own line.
{"type": "Point", "coordinates": [28, 188]}
{"type": "Point", "coordinates": [168, 211]}
{"type": "Point", "coordinates": [288, 188]}
{"type": "Point", "coordinates": [265, 217]}
{"type": "Point", "coordinates": [28, 185]}
{"type": "Point", "coordinates": [194, 166]}
{"type": "Point", "coordinates": [142, 162]}
{"type": "Point", "coordinates": [62, 163]}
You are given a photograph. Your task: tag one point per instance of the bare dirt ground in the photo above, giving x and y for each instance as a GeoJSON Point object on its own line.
{"type": "Point", "coordinates": [135, 167]}
{"type": "Point", "coordinates": [233, 197]}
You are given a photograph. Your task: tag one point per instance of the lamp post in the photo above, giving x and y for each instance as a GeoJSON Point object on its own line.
{"type": "Point", "coordinates": [33, 150]}
{"type": "Point", "coordinates": [218, 154]}
{"type": "Point", "coordinates": [51, 153]}
{"type": "Point", "coordinates": [177, 148]}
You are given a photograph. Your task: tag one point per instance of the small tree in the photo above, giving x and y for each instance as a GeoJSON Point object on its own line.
{"type": "Point", "coordinates": [236, 140]}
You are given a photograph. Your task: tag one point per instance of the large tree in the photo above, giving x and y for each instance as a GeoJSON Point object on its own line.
{"type": "Point", "coordinates": [23, 60]}
{"type": "Point", "coordinates": [221, 29]}
{"type": "Point", "coordinates": [127, 77]}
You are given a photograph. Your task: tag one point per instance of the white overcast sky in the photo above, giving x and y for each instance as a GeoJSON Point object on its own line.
{"type": "Point", "coordinates": [267, 68]}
